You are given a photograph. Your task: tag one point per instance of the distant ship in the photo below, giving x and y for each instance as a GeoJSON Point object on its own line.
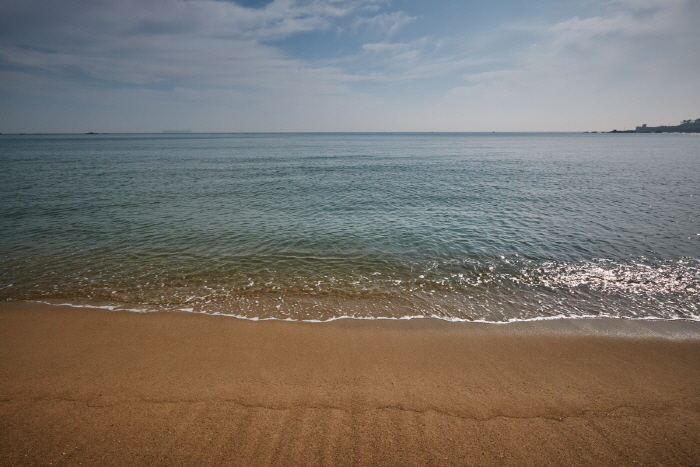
{"type": "Point", "coordinates": [686, 126]}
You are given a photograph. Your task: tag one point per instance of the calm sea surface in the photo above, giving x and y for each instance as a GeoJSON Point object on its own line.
{"type": "Point", "coordinates": [483, 227]}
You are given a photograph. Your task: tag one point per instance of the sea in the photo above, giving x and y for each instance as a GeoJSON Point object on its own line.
{"type": "Point", "coordinates": [485, 227]}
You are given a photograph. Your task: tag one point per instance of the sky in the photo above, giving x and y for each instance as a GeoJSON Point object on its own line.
{"type": "Point", "coordinates": [347, 65]}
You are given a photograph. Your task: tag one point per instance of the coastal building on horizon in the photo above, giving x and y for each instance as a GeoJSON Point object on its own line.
{"type": "Point", "coordinates": [686, 126]}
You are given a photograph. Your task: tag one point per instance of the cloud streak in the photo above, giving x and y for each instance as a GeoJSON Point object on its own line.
{"type": "Point", "coordinates": [160, 44]}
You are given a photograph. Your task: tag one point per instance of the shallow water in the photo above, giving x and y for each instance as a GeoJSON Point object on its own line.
{"type": "Point", "coordinates": [480, 227]}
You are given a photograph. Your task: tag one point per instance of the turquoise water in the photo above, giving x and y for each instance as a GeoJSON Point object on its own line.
{"type": "Point", "coordinates": [486, 227]}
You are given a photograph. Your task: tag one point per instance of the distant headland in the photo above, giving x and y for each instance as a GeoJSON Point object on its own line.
{"type": "Point", "coordinates": [686, 126]}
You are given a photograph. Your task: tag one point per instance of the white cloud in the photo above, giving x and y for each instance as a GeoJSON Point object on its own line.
{"type": "Point", "coordinates": [163, 58]}
{"type": "Point", "coordinates": [184, 43]}
{"type": "Point", "coordinates": [489, 76]}
{"type": "Point", "coordinates": [644, 46]}
{"type": "Point", "coordinates": [633, 63]}
{"type": "Point", "coordinates": [654, 21]}
{"type": "Point", "coordinates": [394, 51]}
{"type": "Point", "coordinates": [385, 23]}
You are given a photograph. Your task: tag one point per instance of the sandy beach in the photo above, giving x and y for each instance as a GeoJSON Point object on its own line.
{"type": "Point", "coordinates": [93, 387]}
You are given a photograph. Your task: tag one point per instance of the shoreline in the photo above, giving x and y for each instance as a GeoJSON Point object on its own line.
{"type": "Point", "coordinates": [598, 325]}
{"type": "Point", "coordinates": [90, 386]}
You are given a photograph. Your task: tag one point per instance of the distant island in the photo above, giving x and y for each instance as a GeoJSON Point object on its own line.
{"type": "Point", "coordinates": [686, 126]}
{"type": "Point", "coordinates": [177, 131]}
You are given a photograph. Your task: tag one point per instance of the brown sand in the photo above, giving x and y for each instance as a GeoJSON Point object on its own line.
{"type": "Point", "coordinates": [91, 387]}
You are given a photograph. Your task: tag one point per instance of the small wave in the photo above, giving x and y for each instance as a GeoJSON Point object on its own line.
{"type": "Point", "coordinates": [500, 289]}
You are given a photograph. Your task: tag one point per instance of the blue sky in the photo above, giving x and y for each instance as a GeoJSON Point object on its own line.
{"type": "Point", "coordinates": [347, 65]}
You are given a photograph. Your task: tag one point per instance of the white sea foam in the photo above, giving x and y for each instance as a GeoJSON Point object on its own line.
{"type": "Point", "coordinates": [452, 319]}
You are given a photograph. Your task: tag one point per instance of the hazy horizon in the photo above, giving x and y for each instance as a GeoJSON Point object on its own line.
{"type": "Point", "coordinates": [220, 66]}
{"type": "Point", "coordinates": [187, 132]}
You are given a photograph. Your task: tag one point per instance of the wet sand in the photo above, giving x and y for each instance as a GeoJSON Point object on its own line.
{"type": "Point", "coordinates": [94, 387]}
